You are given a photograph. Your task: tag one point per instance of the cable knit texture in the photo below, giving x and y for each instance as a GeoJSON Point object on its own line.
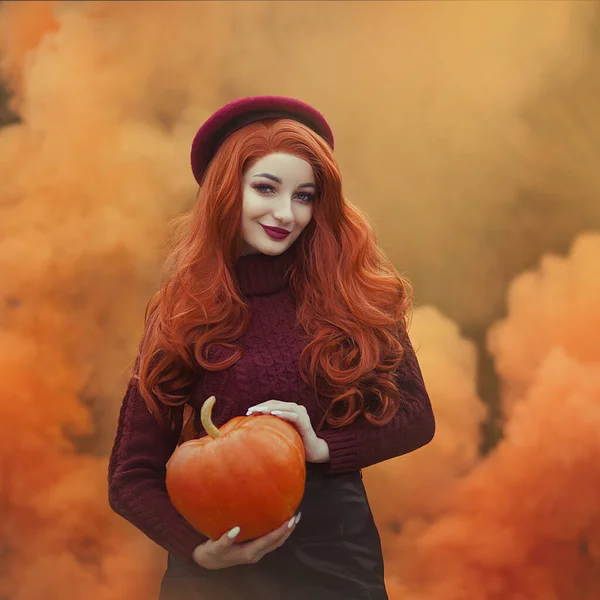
{"type": "Point", "coordinates": [267, 370]}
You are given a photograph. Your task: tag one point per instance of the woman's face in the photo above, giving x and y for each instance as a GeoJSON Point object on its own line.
{"type": "Point", "coordinates": [278, 192]}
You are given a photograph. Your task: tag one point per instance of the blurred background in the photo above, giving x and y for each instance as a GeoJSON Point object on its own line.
{"type": "Point", "coordinates": [469, 132]}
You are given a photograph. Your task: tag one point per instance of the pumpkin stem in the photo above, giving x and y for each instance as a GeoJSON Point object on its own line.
{"type": "Point", "coordinates": [205, 417]}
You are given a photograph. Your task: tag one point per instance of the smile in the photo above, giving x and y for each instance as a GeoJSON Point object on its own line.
{"type": "Point", "coordinates": [276, 233]}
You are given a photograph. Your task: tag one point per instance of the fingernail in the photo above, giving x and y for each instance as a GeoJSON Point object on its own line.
{"type": "Point", "coordinates": [291, 523]}
{"type": "Point", "coordinates": [276, 412]}
{"type": "Point", "coordinates": [233, 533]}
{"type": "Point", "coordinates": [298, 518]}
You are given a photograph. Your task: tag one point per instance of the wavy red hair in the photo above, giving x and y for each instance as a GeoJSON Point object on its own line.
{"type": "Point", "coordinates": [351, 301]}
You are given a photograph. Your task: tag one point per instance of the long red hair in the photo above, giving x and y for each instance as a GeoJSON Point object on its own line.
{"type": "Point", "coordinates": [350, 299]}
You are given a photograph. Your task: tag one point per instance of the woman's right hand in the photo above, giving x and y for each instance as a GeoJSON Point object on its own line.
{"type": "Point", "coordinates": [224, 552]}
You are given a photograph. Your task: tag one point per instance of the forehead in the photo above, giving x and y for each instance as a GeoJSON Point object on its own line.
{"type": "Point", "coordinates": [284, 166]}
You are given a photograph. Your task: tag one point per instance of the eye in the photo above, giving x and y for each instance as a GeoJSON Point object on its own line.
{"type": "Point", "coordinates": [263, 188]}
{"type": "Point", "coordinates": [305, 196]}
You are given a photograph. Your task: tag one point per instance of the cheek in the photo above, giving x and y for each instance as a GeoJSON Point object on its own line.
{"type": "Point", "coordinates": [305, 215]}
{"type": "Point", "coordinates": [252, 207]}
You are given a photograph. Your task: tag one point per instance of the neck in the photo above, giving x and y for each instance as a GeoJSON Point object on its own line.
{"type": "Point", "coordinates": [260, 274]}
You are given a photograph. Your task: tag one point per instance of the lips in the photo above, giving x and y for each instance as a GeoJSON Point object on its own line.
{"type": "Point", "coordinates": [277, 233]}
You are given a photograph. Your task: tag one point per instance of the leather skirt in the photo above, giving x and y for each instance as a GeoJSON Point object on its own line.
{"type": "Point", "coordinates": [333, 554]}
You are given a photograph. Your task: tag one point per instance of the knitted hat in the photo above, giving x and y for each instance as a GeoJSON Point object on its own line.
{"type": "Point", "coordinates": [242, 112]}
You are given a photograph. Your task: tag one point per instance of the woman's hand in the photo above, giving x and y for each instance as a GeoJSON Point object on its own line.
{"type": "Point", "coordinates": [315, 448]}
{"type": "Point", "coordinates": [224, 552]}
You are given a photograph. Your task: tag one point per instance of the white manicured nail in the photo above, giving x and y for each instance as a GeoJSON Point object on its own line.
{"type": "Point", "coordinates": [291, 523]}
{"type": "Point", "coordinates": [233, 533]}
{"type": "Point", "coordinates": [298, 518]}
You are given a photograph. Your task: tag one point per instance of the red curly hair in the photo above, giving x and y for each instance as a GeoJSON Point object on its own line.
{"type": "Point", "coordinates": [350, 299]}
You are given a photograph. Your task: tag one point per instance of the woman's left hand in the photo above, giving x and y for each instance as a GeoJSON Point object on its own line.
{"type": "Point", "coordinates": [315, 448]}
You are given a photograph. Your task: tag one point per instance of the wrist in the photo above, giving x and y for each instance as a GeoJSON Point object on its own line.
{"type": "Point", "coordinates": [323, 454]}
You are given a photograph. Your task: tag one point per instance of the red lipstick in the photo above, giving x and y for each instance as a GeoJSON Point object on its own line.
{"type": "Point", "coordinates": [277, 233]}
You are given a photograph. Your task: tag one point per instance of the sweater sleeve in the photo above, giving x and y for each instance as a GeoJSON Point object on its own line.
{"type": "Point", "coordinates": [136, 477]}
{"type": "Point", "coordinates": [361, 444]}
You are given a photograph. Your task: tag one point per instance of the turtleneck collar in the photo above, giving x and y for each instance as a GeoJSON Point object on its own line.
{"type": "Point", "coordinates": [261, 274]}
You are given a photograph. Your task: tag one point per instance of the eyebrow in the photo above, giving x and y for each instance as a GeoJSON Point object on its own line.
{"type": "Point", "coordinates": [277, 180]}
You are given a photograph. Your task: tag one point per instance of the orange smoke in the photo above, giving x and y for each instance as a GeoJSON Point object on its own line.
{"type": "Point", "coordinates": [29, 23]}
{"type": "Point", "coordinates": [408, 492]}
{"type": "Point", "coordinates": [525, 522]}
{"type": "Point", "coordinates": [109, 94]}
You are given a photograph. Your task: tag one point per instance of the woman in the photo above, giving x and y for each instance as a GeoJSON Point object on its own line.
{"type": "Point", "coordinates": [276, 299]}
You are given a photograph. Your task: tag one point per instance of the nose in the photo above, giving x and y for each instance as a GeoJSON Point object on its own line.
{"type": "Point", "coordinates": [282, 211]}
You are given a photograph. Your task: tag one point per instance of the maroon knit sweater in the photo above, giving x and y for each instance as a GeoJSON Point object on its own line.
{"type": "Point", "coordinates": [267, 370]}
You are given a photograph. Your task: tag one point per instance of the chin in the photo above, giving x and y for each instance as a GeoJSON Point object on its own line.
{"type": "Point", "coordinates": [273, 249]}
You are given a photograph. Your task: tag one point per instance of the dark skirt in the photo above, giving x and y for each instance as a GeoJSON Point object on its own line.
{"type": "Point", "coordinates": [333, 554]}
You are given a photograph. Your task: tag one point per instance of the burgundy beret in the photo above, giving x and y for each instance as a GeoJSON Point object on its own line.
{"type": "Point", "coordinates": [242, 112]}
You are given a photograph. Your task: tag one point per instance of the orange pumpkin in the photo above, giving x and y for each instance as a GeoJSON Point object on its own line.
{"type": "Point", "coordinates": [251, 472]}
